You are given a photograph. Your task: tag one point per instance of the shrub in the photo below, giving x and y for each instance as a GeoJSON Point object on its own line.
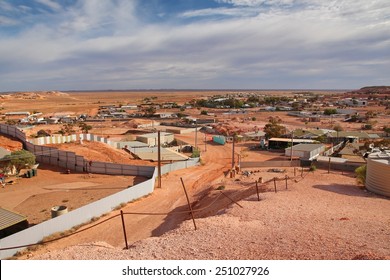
{"type": "Point", "coordinates": [361, 174]}
{"type": "Point", "coordinates": [195, 153]}
{"type": "Point", "coordinates": [221, 187]}
{"type": "Point", "coordinates": [313, 167]}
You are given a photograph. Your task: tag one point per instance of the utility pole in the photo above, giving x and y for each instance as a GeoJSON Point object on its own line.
{"type": "Point", "coordinates": [196, 134]}
{"type": "Point", "coordinates": [159, 158]}
{"type": "Point", "coordinates": [205, 141]}
{"type": "Point", "coordinates": [233, 163]}
{"type": "Point", "coordinates": [292, 144]}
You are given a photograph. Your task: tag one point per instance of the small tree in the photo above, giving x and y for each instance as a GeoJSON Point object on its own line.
{"type": "Point", "coordinates": [195, 153]}
{"type": "Point", "coordinates": [85, 127]}
{"type": "Point", "coordinates": [20, 159]}
{"type": "Point", "coordinates": [67, 129]}
{"type": "Point", "coordinates": [274, 128]}
{"type": "Point", "coordinates": [329, 111]}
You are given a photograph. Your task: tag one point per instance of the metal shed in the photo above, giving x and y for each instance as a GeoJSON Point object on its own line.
{"type": "Point", "coordinates": [305, 151]}
{"type": "Point", "coordinates": [151, 138]}
{"type": "Point", "coordinates": [11, 222]}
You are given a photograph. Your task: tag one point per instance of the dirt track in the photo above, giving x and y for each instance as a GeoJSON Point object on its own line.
{"type": "Point", "coordinates": [167, 199]}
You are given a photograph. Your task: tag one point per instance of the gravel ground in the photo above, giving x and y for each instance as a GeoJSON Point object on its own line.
{"type": "Point", "coordinates": [323, 216]}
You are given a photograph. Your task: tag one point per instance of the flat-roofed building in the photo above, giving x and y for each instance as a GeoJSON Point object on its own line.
{"type": "Point", "coordinates": [152, 138]}
{"type": "Point", "coordinates": [305, 151]}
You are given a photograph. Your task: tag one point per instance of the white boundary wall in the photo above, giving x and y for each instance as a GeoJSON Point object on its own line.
{"type": "Point", "coordinates": [57, 139]}
{"type": "Point", "coordinates": [179, 165]}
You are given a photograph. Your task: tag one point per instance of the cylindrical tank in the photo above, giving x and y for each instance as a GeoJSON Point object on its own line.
{"type": "Point", "coordinates": [378, 176]}
{"type": "Point", "coordinates": [58, 211]}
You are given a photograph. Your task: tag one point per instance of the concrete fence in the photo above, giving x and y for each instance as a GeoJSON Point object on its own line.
{"type": "Point", "coordinates": [335, 165]}
{"type": "Point", "coordinates": [333, 149]}
{"type": "Point", "coordinates": [13, 131]}
{"type": "Point", "coordinates": [179, 165]}
{"type": "Point", "coordinates": [58, 139]}
{"type": "Point", "coordinates": [253, 164]}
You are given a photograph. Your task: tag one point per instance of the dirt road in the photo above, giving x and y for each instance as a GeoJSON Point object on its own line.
{"type": "Point", "coordinates": [170, 198]}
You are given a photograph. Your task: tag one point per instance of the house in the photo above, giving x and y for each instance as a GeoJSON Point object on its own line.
{"type": "Point", "coordinates": [152, 138]}
{"type": "Point", "coordinates": [282, 143]}
{"type": "Point", "coordinates": [310, 133]}
{"type": "Point", "coordinates": [167, 154]}
{"type": "Point", "coordinates": [165, 115]}
{"type": "Point", "coordinates": [255, 135]}
{"type": "Point", "coordinates": [17, 115]}
{"type": "Point", "coordinates": [348, 135]}
{"type": "Point", "coordinates": [353, 102]}
{"type": "Point", "coordinates": [305, 151]}
{"type": "Point", "coordinates": [352, 152]}
{"type": "Point", "coordinates": [52, 120]}
{"type": "Point", "coordinates": [129, 107]}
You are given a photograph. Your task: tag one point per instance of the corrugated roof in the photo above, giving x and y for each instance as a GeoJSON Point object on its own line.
{"type": "Point", "coordinates": [9, 218]}
{"type": "Point", "coordinates": [342, 134]}
{"type": "Point", "coordinates": [152, 154]}
{"type": "Point", "coordinates": [288, 140]}
{"type": "Point", "coordinates": [132, 144]}
{"type": "Point", "coordinates": [155, 135]}
{"type": "Point", "coordinates": [306, 147]}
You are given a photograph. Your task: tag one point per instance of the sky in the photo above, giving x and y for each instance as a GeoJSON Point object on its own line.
{"type": "Point", "coordinates": [193, 44]}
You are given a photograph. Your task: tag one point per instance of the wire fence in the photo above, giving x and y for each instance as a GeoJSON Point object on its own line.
{"type": "Point", "coordinates": [253, 187]}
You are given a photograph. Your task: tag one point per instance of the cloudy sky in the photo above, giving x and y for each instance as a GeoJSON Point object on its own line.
{"type": "Point", "coordinates": [193, 44]}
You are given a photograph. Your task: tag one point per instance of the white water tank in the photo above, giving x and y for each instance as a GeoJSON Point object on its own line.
{"type": "Point", "coordinates": [58, 211]}
{"type": "Point", "coordinates": [378, 176]}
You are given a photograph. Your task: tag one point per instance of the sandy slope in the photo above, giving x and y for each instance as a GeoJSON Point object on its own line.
{"type": "Point", "coordinates": [314, 219]}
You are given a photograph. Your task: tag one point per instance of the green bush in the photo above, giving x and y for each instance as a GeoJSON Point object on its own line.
{"type": "Point", "coordinates": [313, 167]}
{"type": "Point", "coordinates": [361, 174]}
{"type": "Point", "coordinates": [195, 153]}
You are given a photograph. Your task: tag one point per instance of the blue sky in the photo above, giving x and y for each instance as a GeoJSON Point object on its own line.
{"type": "Point", "coordinates": [193, 44]}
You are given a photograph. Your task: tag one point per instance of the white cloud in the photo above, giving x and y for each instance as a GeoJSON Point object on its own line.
{"type": "Point", "coordinates": [7, 21]}
{"type": "Point", "coordinates": [50, 4]}
{"type": "Point", "coordinates": [256, 3]}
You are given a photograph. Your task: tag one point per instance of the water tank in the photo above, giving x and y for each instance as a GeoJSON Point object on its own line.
{"type": "Point", "coordinates": [58, 211]}
{"type": "Point", "coordinates": [378, 176]}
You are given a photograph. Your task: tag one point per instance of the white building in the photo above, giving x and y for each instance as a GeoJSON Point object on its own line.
{"type": "Point", "coordinates": [305, 151]}
{"type": "Point", "coordinates": [152, 138]}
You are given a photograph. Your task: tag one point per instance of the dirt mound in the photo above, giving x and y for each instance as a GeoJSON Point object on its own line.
{"type": "Point", "coordinates": [10, 143]}
{"type": "Point", "coordinates": [35, 94]}
{"type": "Point", "coordinates": [98, 151]}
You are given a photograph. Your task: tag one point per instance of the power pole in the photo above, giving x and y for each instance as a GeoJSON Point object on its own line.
{"type": "Point", "coordinates": [292, 144]}
{"type": "Point", "coordinates": [205, 141]}
{"type": "Point", "coordinates": [233, 163]}
{"type": "Point", "coordinates": [196, 134]}
{"type": "Point", "coordinates": [159, 158]}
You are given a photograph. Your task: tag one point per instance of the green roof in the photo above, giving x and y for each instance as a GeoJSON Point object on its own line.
{"type": "Point", "coordinates": [342, 134]}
